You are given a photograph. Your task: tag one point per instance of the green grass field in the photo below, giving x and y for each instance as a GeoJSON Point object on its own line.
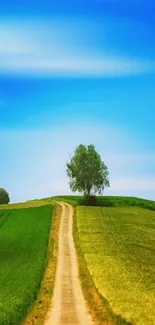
{"type": "Point", "coordinates": [119, 248]}
{"type": "Point", "coordinates": [24, 236]}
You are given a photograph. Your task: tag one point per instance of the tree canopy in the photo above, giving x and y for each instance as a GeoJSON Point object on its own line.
{"type": "Point", "coordinates": [4, 196]}
{"type": "Point", "coordinates": [87, 172]}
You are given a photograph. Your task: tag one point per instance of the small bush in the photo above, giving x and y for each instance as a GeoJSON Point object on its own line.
{"type": "Point", "coordinates": [4, 196]}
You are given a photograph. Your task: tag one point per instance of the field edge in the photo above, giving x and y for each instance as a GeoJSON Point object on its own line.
{"type": "Point", "coordinates": [38, 312]}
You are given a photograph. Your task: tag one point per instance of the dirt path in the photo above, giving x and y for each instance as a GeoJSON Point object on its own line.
{"type": "Point", "coordinates": [68, 305]}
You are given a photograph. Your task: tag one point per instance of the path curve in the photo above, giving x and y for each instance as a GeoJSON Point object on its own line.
{"type": "Point", "coordinates": [68, 306]}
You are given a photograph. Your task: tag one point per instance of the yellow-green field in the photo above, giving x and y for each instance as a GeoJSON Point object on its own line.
{"type": "Point", "coordinates": [119, 247]}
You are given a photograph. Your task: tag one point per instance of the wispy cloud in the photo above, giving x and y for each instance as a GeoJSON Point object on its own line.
{"type": "Point", "coordinates": [73, 66]}
{"type": "Point", "coordinates": [51, 49]}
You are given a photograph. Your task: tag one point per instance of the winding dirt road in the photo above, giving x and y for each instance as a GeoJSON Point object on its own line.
{"type": "Point", "coordinates": [68, 306]}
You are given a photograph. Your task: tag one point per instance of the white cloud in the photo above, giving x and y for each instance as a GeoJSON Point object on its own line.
{"type": "Point", "coordinates": [73, 66]}
{"type": "Point", "coordinates": [51, 49]}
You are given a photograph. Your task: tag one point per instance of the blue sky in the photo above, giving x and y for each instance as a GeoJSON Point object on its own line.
{"type": "Point", "coordinates": [75, 73]}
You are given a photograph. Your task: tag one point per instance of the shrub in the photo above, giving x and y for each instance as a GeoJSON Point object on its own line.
{"type": "Point", "coordinates": [4, 196]}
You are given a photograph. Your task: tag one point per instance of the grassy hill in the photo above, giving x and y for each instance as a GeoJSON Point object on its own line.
{"type": "Point", "coordinates": [110, 201]}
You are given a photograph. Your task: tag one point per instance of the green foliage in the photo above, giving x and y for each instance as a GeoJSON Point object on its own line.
{"type": "Point", "coordinates": [4, 196]}
{"type": "Point", "coordinates": [118, 245]}
{"type": "Point", "coordinates": [87, 172]}
{"type": "Point", "coordinates": [24, 235]}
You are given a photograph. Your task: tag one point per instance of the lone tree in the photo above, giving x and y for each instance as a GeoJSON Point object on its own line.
{"type": "Point", "coordinates": [4, 196]}
{"type": "Point", "coordinates": [87, 172]}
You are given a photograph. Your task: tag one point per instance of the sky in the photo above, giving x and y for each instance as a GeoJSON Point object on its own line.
{"type": "Point", "coordinates": [76, 73]}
